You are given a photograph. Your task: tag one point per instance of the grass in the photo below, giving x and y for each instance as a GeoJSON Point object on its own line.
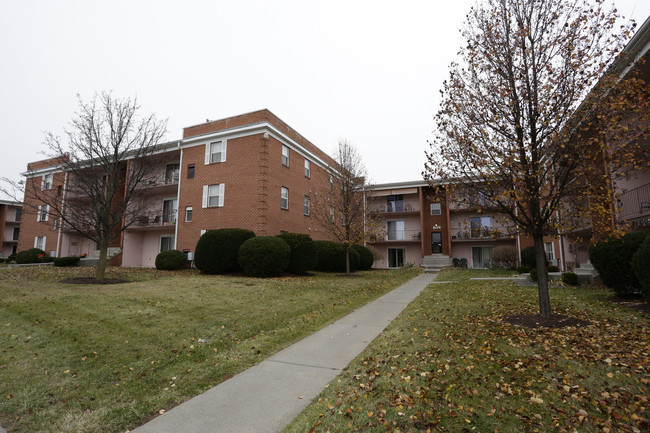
{"type": "Point", "coordinates": [449, 364]}
{"type": "Point", "coordinates": [105, 358]}
{"type": "Point", "coordinates": [451, 274]}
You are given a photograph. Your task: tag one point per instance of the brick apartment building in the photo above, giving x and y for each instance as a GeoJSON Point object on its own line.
{"type": "Point", "coordinates": [250, 171]}
{"type": "Point", "coordinates": [10, 216]}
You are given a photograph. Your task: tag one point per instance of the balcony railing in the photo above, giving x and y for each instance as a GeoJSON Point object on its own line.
{"type": "Point", "coordinates": [154, 220]}
{"type": "Point", "coordinates": [635, 202]}
{"type": "Point", "coordinates": [399, 236]}
{"type": "Point", "coordinates": [482, 233]}
{"type": "Point", "coordinates": [395, 208]}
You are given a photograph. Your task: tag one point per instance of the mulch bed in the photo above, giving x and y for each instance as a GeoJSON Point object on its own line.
{"type": "Point", "coordinates": [91, 280]}
{"type": "Point", "coordinates": [635, 302]}
{"type": "Point", "coordinates": [537, 321]}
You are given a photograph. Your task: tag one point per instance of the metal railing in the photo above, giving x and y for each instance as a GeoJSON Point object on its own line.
{"type": "Point", "coordinates": [162, 219]}
{"type": "Point", "coordinates": [634, 202]}
{"type": "Point", "coordinates": [398, 236]}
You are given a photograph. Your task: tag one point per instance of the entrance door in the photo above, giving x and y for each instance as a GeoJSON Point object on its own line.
{"type": "Point", "coordinates": [436, 242]}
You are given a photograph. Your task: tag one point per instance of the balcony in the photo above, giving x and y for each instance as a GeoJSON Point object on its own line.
{"type": "Point", "coordinates": [397, 209]}
{"type": "Point", "coordinates": [156, 221]}
{"type": "Point", "coordinates": [482, 234]}
{"type": "Point", "coordinates": [398, 236]}
{"type": "Point", "coordinates": [635, 203]}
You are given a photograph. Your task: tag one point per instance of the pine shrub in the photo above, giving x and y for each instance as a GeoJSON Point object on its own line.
{"type": "Point", "coordinates": [523, 269]}
{"type": "Point", "coordinates": [553, 268]}
{"type": "Point", "coordinates": [67, 261]}
{"type": "Point", "coordinates": [264, 256]}
{"type": "Point", "coordinates": [32, 255]}
{"type": "Point", "coordinates": [366, 258]}
{"type": "Point", "coordinates": [304, 255]}
{"type": "Point", "coordinates": [170, 260]}
{"type": "Point", "coordinates": [217, 250]}
{"type": "Point", "coordinates": [613, 261]}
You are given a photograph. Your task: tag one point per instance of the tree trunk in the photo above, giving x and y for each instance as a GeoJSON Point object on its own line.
{"type": "Point", "coordinates": [542, 276]}
{"type": "Point", "coordinates": [347, 260]}
{"type": "Point", "coordinates": [100, 268]}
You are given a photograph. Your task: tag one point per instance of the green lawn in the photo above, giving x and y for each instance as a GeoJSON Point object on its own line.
{"type": "Point", "coordinates": [449, 364]}
{"type": "Point", "coordinates": [105, 358]}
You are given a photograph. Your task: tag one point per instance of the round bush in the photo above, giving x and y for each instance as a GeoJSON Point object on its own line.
{"type": "Point", "coordinates": [553, 269]}
{"type": "Point", "coordinates": [304, 256]}
{"type": "Point", "coordinates": [264, 256]}
{"type": "Point", "coordinates": [533, 274]}
{"type": "Point", "coordinates": [523, 269]}
{"type": "Point", "coordinates": [331, 257]}
{"type": "Point", "coordinates": [32, 255]}
{"type": "Point", "coordinates": [641, 266]}
{"type": "Point", "coordinates": [613, 261]}
{"type": "Point", "coordinates": [67, 261]}
{"type": "Point", "coordinates": [170, 260]}
{"type": "Point", "coordinates": [570, 278]}
{"type": "Point", "coordinates": [366, 258]}
{"type": "Point", "coordinates": [217, 250]}
{"type": "Point", "coordinates": [528, 257]}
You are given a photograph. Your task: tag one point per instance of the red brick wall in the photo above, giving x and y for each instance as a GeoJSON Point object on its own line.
{"type": "Point", "coordinates": [428, 221]}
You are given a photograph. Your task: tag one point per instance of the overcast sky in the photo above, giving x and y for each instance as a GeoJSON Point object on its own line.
{"type": "Point", "coordinates": [367, 71]}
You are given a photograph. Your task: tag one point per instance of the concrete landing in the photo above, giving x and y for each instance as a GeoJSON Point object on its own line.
{"type": "Point", "coordinates": [266, 397]}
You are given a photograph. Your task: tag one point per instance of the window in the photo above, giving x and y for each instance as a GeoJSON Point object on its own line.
{"type": "Point", "coordinates": [19, 214]}
{"type": "Point", "coordinates": [396, 257]}
{"type": "Point", "coordinates": [331, 181]}
{"type": "Point", "coordinates": [39, 242]}
{"type": "Point", "coordinates": [188, 214]}
{"type": "Point", "coordinates": [307, 203]}
{"type": "Point", "coordinates": [190, 171]}
{"type": "Point", "coordinates": [395, 203]}
{"type": "Point", "coordinates": [47, 182]}
{"type": "Point", "coordinates": [171, 173]}
{"type": "Point", "coordinates": [215, 152]}
{"type": "Point", "coordinates": [166, 243]}
{"type": "Point", "coordinates": [170, 208]}
{"type": "Point", "coordinates": [480, 227]}
{"type": "Point", "coordinates": [59, 190]}
{"type": "Point", "coordinates": [395, 230]}
{"type": "Point", "coordinates": [55, 226]}
{"type": "Point", "coordinates": [213, 195]}
{"type": "Point", "coordinates": [15, 234]}
{"type": "Point", "coordinates": [332, 213]}
{"type": "Point", "coordinates": [435, 209]}
{"type": "Point", "coordinates": [307, 168]}
{"type": "Point", "coordinates": [550, 251]}
{"type": "Point", "coordinates": [284, 198]}
{"type": "Point", "coordinates": [43, 213]}
{"type": "Point", "coordinates": [285, 155]}
{"type": "Point", "coordinates": [481, 257]}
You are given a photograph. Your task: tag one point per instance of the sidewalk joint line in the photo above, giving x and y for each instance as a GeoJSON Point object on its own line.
{"type": "Point", "coordinates": [303, 365]}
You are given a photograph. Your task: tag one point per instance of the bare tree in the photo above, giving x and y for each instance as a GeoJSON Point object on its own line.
{"type": "Point", "coordinates": [521, 121]}
{"type": "Point", "coordinates": [105, 172]}
{"type": "Point", "coordinates": [340, 206]}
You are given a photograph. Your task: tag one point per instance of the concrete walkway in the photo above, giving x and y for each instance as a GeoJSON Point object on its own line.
{"type": "Point", "coordinates": [266, 397]}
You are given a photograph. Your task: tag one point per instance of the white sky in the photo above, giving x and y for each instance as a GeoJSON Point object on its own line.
{"type": "Point", "coordinates": [368, 71]}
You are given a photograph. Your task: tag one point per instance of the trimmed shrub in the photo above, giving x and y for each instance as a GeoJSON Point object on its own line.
{"type": "Point", "coordinates": [331, 257]}
{"type": "Point", "coordinates": [67, 261]}
{"type": "Point", "coordinates": [641, 266]}
{"type": "Point", "coordinates": [11, 258]}
{"type": "Point", "coordinates": [505, 256]}
{"type": "Point", "coordinates": [304, 256]}
{"type": "Point", "coordinates": [32, 255]}
{"type": "Point", "coordinates": [570, 278]}
{"type": "Point", "coordinates": [613, 261]}
{"type": "Point", "coordinates": [170, 260]}
{"type": "Point", "coordinates": [528, 257]}
{"type": "Point", "coordinates": [217, 250]}
{"type": "Point", "coordinates": [264, 256]}
{"type": "Point", "coordinates": [523, 269]}
{"type": "Point", "coordinates": [533, 274]}
{"type": "Point", "coordinates": [553, 269]}
{"type": "Point", "coordinates": [366, 259]}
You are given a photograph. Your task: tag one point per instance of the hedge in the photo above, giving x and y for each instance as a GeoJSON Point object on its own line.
{"type": "Point", "coordinates": [32, 255]}
{"type": "Point", "coordinates": [304, 255]}
{"type": "Point", "coordinates": [613, 261]}
{"type": "Point", "coordinates": [366, 258]}
{"type": "Point", "coordinates": [217, 250]}
{"type": "Point", "coordinates": [170, 260]}
{"type": "Point", "coordinates": [331, 257]}
{"type": "Point", "coordinates": [67, 261]}
{"type": "Point", "coordinates": [264, 256]}
{"type": "Point", "coordinates": [641, 266]}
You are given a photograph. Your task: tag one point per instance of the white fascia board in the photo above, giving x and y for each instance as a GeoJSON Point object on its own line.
{"type": "Point", "coordinates": [397, 185]}
{"type": "Point", "coordinates": [257, 128]}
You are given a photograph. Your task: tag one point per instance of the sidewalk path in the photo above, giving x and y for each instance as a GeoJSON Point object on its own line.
{"type": "Point", "coordinates": [267, 396]}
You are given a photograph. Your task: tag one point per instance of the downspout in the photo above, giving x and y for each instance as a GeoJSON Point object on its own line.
{"type": "Point", "coordinates": [58, 238]}
{"type": "Point", "coordinates": [178, 197]}
{"type": "Point", "coordinates": [557, 215]}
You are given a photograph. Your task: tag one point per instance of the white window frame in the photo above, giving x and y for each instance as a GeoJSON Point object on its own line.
{"type": "Point", "coordinates": [436, 209]}
{"type": "Point", "coordinates": [285, 155]}
{"type": "Point", "coordinates": [549, 252]}
{"type": "Point", "coordinates": [188, 211]}
{"type": "Point", "coordinates": [46, 182]}
{"type": "Point", "coordinates": [307, 168]}
{"type": "Point", "coordinates": [210, 155]}
{"type": "Point", "coordinates": [55, 226]}
{"type": "Point", "coordinates": [284, 198]}
{"type": "Point", "coordinates": [220, 193]}
{"type": "Point", "coordinates": [307, 205]}
{"type": "Point", "coordinates": [332, 213]}
{"type": "Point", "coordinates": [37, 240]}
{"type": "Point", "coordinates": [43, 213]}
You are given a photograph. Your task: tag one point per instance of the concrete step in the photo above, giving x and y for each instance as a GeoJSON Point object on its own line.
{"type": "Point", "coordinates": [435, 262]}
{"type": "Point", "coordinates": [586, 272]}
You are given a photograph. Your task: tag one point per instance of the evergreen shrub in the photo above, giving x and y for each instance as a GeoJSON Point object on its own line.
{"type": "Point", "coordinates": [67, 261]}
{"type": "Point", "coordinates": [570, 278]}
{"type": "Point", "coordinates": [217, 250]}
{"type": "Point", "coordinates": [641, 266]}
{"type": "Point", "coordinates": [613, 261]}
{"type": "Point", "coordinates": [366, 258]}
{"type": "Point", "coordinates": [528, 257]}
{"type": "Point", "coordinates": [264, 256]}
{"type": "Point", "coordinates": [523, 269]}
{"type": "Point", "coordinates": [331, 257]}
{"type": "Point", "coordinates": [170, 260]}
{"type": "Point", "coordinates": [32, 255]}
{"type": "Point", "coordinates": [553, 268]}
{"type": "Point", "coordinates": [304, 255]}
